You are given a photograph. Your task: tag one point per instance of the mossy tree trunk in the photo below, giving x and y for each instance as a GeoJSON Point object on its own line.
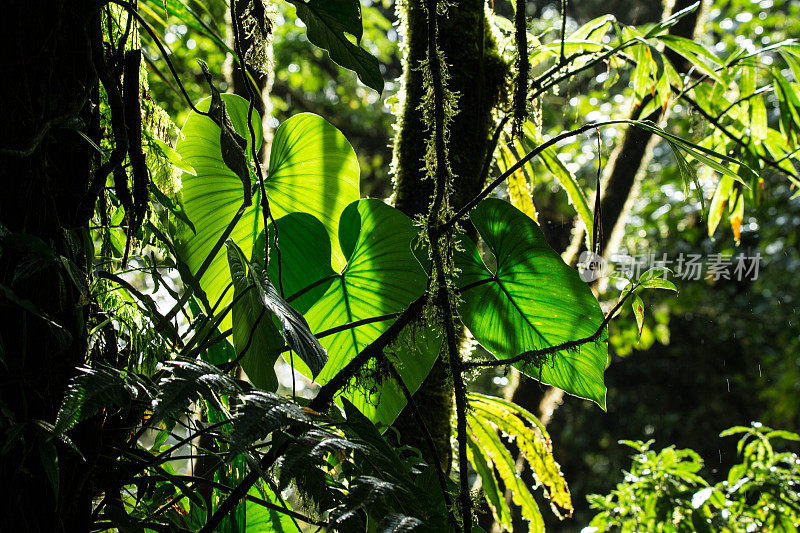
{"type": "Point", "coordinates": [478, 76]}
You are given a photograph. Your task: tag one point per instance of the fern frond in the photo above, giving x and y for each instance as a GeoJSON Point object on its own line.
{"type": "Point", "coordinates": [186, 381]}
{"type": "Point", "coordinates": [96, 389]}
{"type": "Point", "coordinates": [262, 414]}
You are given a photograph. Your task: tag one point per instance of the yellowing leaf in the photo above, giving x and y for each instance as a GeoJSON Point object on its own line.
{"type": "Point", "coordinates": [490, 446]}
{"type": "Point", "coordinates": [518, 191]}
{"type": "Point", "coordinates": [638, 311]}
{"type": "Point", "coordinates": [486, 417]}
{"type": "Point", "coordinates": [718, 203]}
{"type": "Point", "coordinates": [737, 215]}
{"type": "Point", "coordinates": [532, 440]}
{"type": "Point", "coordinates": [758, 121]}
{"type": "Point", "coordinates": [485, 469]}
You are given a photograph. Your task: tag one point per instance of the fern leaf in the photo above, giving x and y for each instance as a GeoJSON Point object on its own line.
{"type": "Point", "coordinates": [95, 389]}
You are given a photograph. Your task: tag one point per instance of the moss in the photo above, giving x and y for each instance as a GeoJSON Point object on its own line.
{"type": "Point", "coordinates": [479, 78]}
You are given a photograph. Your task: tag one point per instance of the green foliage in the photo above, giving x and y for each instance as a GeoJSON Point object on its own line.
{"type": "Point", "coordinates": [526, 299]}
{"type": "Point", "coordinates": [348, 471]}
{"type": "Point", "coordinates": [315, 271]}
{"type": "Point", "coordinates": [516, 148]}
{"type": "Point", "coordinates": [381, 277]}
{"type": "Point", "coordinates": [312, 169]}
{"type": "Point", "coordinates": [328, 22]}
{"type": "Point", "coordinates": [663, 491]}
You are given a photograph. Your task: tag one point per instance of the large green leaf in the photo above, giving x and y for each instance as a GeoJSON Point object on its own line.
{"type": "Point", "coordinates": [381, 278]}
{"type": "Point", "coordinates": [328, 22]}
{"type": "Point", "coordinates": [530, 301]}
{"type": "Point", "coordinates": [261, 519]}
{"type": "Point", "coordinates": [212, 197]}
{"type": "Point", "coordinates": [313, 169]}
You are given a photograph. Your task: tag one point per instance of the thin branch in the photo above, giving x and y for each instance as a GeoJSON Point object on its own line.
{"type": "Point", "coordinates": [516, 166]}
{"type": "Point", "coordinates": [320, 403]}
{"type": "Point", "coordinates": [328, 391]}
{"type": "Point", "coordinates": [570, 73]}
{"type": "Point", "coordinates": [742, 99]}
{"type": "Point", "coordinates": [260, 501]}
{"type": "Point", "coordinates": [523, 66]}
{"type": "Point", "coordinates": [563, 28]}
{"type": "Point", "coordinates": [298, 294]}
{"type": "Point", "coordinates": [352, 325]}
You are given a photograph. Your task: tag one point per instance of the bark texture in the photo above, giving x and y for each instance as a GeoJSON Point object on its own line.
{"type": "Point", "coordinates": [48, 96]}
{"type": "Point", "coordinates": [478, 76]}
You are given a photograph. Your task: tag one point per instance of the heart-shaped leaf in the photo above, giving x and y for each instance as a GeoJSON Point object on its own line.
{"type": "Point", "coordinates": [531, 301]}
{"type": "Point", "coordinates": [380, 279]}
{"type": "Point", "coordinates": [313, 169]}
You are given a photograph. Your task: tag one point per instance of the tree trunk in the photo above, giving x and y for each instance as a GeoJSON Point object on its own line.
{"type": "Point", "coordinates": [49, 97]}
{"type": "Point", "coordinates": [477, 75]}
{"type": "Point", "coordinates": [260, 82]}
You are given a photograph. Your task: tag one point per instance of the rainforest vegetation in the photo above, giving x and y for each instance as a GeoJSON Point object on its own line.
{"type": "Point", "coordinates": [422, 265]}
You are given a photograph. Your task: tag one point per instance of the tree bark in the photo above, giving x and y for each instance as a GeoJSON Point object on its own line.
{"type": "Point", "coordinates": [477, 75]}
{"type": "Point", "coordinates": [261, 83]}
{"type": "Point", "coordinates": [47, 99]}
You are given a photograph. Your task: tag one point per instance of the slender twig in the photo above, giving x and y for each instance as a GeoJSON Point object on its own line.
{"type": "Point", "coordinates": [240, 491]}
{"type": "Point", "coordinates": [353, 325]}
{"type": "Point", "coordinates": [229, 365]}
{"type": "Point", "coordinates": [307, 288]}
{"type": "Point", "coordinates": [320, 402]}
{"type": "Point", "coordinates": [516, 166]}
{"type": "Point", "coordinates": [541, 88]}
{"type": "Point", "coordinates": [489, 157]}
{"type": "Point", "coordinates": [255, 499]}
{"type": "Point", "coordinates": [207, 262]}
{"type": "Point", "coordinates": [563, 28]}
{"type": "Point", "coordinates": [742, 99]}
